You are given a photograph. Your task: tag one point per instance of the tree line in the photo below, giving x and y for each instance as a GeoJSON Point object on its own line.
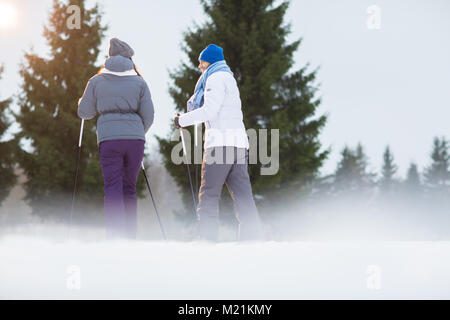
{"type": "Point", "coordinates": [353, 176]}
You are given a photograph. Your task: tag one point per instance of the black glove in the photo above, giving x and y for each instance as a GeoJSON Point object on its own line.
{"type": "Point", "coordinates": [176, 120]}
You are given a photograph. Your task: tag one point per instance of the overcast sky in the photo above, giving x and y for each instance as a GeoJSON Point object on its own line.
{"type": "Point", "coordinates": [382, 86]}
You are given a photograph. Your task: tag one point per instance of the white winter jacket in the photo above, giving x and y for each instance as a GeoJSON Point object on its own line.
{"type": "Point", "coordinates": [221, 113]}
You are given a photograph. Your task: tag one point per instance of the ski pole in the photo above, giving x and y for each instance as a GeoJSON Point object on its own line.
{"type": "Point", "coordinates": [76, 171]}
{"type": "Point", "coordinates": [154, 204]}
{"type": "Point", "coordinates": [196, 165]}
{"type": "Point", "coordinates": [189, 171]}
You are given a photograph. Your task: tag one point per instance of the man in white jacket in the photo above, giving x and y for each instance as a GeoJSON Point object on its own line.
{"type": "Point", "coordinates": [217, 103]}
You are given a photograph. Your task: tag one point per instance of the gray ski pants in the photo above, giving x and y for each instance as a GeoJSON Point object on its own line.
{"type": "Point", "coordinates": [227, 165]}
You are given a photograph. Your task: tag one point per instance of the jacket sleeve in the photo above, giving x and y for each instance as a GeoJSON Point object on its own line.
{"type": "Point", "coordinates": [146, 109]}
{"type": "Point", "coordinates": [214, 96]}
{"type": "Point", "coordinates": [87, 103]}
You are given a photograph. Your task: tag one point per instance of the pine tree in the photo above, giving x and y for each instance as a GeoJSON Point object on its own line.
{"type": "Point", "coordinates": [437, 175]}
{"type": "Point", "coordinates": [7, 176]}
{"type": "Point", "coordinates": [388, 171]}
{"type": "Point", "coordinates": [48, 115]}
{"type": "Point", "coordinates": [351, 173]}
{"type": "Point", "coordinates": [412, 182]}
{"type": "Point", "coordinates": [253, 36]}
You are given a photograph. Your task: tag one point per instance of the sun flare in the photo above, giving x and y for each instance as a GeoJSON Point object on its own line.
{"type": "Point", "coordinates": [7, 15]}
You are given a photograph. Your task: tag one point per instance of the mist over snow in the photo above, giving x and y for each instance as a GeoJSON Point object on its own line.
{"type": "Point", "coordinates": [53, 266]}
{"type": "Point", "coordinates": [346, 248]}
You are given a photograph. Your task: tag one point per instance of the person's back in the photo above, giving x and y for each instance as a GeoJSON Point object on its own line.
{"type": "Point", "coordinates": [224, 125]}
{"type": "Point", "coordinates": [230, 115]}
{"type": "Point", "coordinates": [228, 124]}
{"type": "Point", "coordinates": [122, 98]}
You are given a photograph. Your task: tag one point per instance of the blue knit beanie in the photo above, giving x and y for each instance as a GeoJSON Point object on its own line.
{"type": "Point", "coordinates": [212, 54]}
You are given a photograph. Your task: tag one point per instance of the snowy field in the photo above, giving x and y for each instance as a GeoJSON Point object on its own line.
{"type": "Point", "coordinates": [36, 267]}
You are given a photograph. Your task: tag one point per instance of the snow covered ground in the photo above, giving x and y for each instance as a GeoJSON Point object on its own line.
{"type": "Point", "coordinates": [36, 267]}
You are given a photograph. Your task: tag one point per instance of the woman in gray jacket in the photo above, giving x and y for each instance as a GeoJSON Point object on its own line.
{"type": "Point", "coordinates": [122, 98]}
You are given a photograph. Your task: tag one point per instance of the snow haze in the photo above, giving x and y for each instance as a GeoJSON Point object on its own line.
{"type": "Point", "coordinates": [38, 268]}
{"type": "Point", "coordinates": [334, 250]}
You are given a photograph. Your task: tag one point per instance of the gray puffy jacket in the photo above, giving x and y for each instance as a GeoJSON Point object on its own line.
{"type": "Point", "coordinates": [123, 102]}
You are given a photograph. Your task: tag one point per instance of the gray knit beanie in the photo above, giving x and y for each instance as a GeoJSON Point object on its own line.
{"type": "Point", "coordinates": [118, 47]}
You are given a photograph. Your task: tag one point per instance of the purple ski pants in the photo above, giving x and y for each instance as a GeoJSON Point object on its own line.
{"type": "Point", "coordinates": [121, 161]}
